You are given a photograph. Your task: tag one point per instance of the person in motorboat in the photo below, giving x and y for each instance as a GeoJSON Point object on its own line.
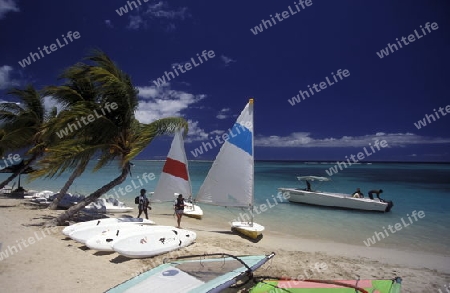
{"type": "Point", "coordinates": [358, 193]}
{"type": "Point", "coordinates": [377, 192]}
{"type": "Point", "coordinates": [308, 186]}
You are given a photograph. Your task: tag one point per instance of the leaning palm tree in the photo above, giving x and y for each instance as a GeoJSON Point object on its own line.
{"type": "Point", "coordinates": [77, 96]}
{"type": "Point", "coordinates": [115, 136]}
{"type": "Point", "coordinates": [22, 125]}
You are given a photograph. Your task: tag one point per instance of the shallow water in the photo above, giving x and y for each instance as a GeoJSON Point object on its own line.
{"type": "Point", "coordinates": [412, 187]}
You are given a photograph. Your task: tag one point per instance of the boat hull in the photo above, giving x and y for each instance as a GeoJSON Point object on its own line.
{"type": "Point", "coordinates": [338, 200]}
{"type": "Point", "coordinates": [331, 286]}
{"type": "Point", "coordinates": [252, 230]}
{"type": "Point", "coordinates": [196, 275]}
{"type": "Point", "coordinates": [193, 211]}
{"type": "Point", "coordinates": [153, 243]}
{"type": "Point", "coordinates": [106, 240]}
{"type": "Point", "coordinates": [102, 222]}
{"type": "Point", "coordinates": [83, 235]}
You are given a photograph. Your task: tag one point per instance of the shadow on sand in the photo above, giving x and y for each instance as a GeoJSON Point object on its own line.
{"type": "Point", "coordinates": [120, 259]}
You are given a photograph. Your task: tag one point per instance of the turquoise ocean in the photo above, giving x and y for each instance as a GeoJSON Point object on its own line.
{"type": "Point", "coordinates": [411, 186]}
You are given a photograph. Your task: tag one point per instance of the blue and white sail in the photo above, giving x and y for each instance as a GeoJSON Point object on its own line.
{"type": "Point", "coordinates": [230, 180]}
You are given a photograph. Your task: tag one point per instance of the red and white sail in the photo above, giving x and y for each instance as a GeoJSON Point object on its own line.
{"type": "Point", "coordinates": [175, 175]}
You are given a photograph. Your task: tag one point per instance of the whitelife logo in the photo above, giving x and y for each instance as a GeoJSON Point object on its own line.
{"type": "Point", "coordinates": [184, 67]}
{"type": "Point", "coordinates": [284, 15]}
{"type": "Point", "coordinates": [411, 38]}
{"type": "Point", "coordinates": [53, 47]}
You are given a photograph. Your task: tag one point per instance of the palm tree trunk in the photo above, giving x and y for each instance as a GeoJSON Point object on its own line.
{"type": "Point", "coordinates": [61, 219]}
{"type": "Point", "coordinates": [76, 173]}
{"type": "Point", "coordinates": [19, 171]}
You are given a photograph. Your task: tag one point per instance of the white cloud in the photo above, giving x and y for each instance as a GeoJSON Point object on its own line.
{"type": "Point", "coordinates": [304, 140]}
{"type": "Point", "coordinates": [159, 11]}
{"type": "Point", "coordinates": [223, 113]}
{"type": "Point", "coordinates": [227, 60]}
{"type": "Point", "coordinates": [136, 21]}
{"type": "Point", "coordinates": [195, 132]}
{"type": "Point", "coordinates": [5, 77]}
{"type": "Point", "coordinates": [162, 101]}
{"type": "Point", "coordinates": [109, 23]}
{"type": "Point", "coordinates": [217, 132]}
{"type": "Point", "coordinates": [49, 103]}
{"type": "Point", "coordinates": [8, 6]}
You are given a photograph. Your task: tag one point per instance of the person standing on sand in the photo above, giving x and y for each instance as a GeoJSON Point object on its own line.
{"type": "Point", "coordinates": [179, 208]}
{"type": "Point", "coordinates": [143, 204]}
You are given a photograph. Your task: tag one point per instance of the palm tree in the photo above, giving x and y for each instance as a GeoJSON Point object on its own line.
{"type": "Point", "coordinates": [116, 135]}
{"type": "Point", "coordinates": [77, 97]}
{"type": "Point", "coordinates": [22, 126]}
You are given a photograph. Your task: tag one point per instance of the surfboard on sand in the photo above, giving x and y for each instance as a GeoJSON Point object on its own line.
{"type": "Point", "coordinates": [69, 229]}
{"type": "Point", "coordinates": [150, 243]}
{"type": "Point", "coordinates": [197, 274]}
{"type": "Point", "coordinates": [106, 240]}
{"type": "Point", "coordinates": [84, 234]}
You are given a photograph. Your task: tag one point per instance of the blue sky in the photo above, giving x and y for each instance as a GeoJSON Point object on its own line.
{"type": "Point", "coordinates": [381, 98]}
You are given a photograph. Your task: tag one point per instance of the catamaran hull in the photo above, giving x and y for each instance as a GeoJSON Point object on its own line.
{"type": "Point", "coordinates": [248, 229]}
{"type": "Point", "coordinates": [193, 211]}
{"type": "Point", "coordinates": [338, 200]}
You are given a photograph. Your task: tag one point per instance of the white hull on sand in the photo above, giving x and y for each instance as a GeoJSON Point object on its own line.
{"type": "Point", "coordinates": [252, 230]}
{"type": "Point", "coordinates": [106, 240]}
{"type": "Point", "coordinates": [100, 222]}
{"type": "Point", "coordinates": [339, 200]}
{"type": "Point", "coordinates": [192, 210]}
{"type": "Point", "coordinates": [82, 235]}
{"type": "Point", "coordinates": [148, 244]}
{"type": "Point", "coordinates": [103, 205]}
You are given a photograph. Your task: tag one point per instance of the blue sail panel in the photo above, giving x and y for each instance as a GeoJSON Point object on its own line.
{"type": "Point", "coordinates": [241, 137]}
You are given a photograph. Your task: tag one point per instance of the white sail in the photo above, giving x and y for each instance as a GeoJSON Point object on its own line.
{"type": "Point", "coordinates": [230, 180]}
{"type": "Point", "coordinates": [175, 175]}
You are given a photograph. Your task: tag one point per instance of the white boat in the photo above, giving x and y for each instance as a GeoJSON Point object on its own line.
{"type": "Point", "coordinates": [230, 181]}
{"type": "Point", "coordinates": [151, 243]}
{"type": "Point", "coordinates": [110, 205]}
{"type": "Point", "coordinates": [210, 273]}
{"type": "Point", "coordinates": [101, 222]}
{"type": "Point", "coordinates": [46, 197]}
{"type": "Point", "coordinates": [175, 178]}
{"type": "Point", "coordinates": [330, 199]}
{"type": "Point", "coordinates": [84, 234]}
{"type": "Point", "coordinates": [192, 210]}
{"type": "Point", "coordinates": [45, 194]}
{"type": "Point", "coordinates": [106, 239]}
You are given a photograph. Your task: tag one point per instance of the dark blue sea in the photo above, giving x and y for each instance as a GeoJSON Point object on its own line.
{"type": "Point", "coordinates": [411, 186]}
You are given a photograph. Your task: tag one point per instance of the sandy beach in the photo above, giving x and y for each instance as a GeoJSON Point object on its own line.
{"type": "Point", "coordinates": [42, 259]}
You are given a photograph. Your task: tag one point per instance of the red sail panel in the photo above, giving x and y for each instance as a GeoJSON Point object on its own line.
{"type": "Point", "coordinates": [175, 168]}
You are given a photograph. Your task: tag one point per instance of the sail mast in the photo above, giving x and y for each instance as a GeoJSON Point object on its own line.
{"type": "Point", "coordinates": [253, 159]}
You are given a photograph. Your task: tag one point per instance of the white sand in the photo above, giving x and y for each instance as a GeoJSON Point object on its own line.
{"type": "Point", "coordinates": [54, 263]}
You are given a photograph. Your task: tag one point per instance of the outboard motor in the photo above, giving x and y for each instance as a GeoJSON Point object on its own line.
{"type": "Point", "coordinates": [389, 206]}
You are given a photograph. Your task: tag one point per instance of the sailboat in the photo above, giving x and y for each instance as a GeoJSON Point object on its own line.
{"type": "Point", "coordinates": [175, 178]}
{"type": "Point", "coordinates": [230, 181]}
